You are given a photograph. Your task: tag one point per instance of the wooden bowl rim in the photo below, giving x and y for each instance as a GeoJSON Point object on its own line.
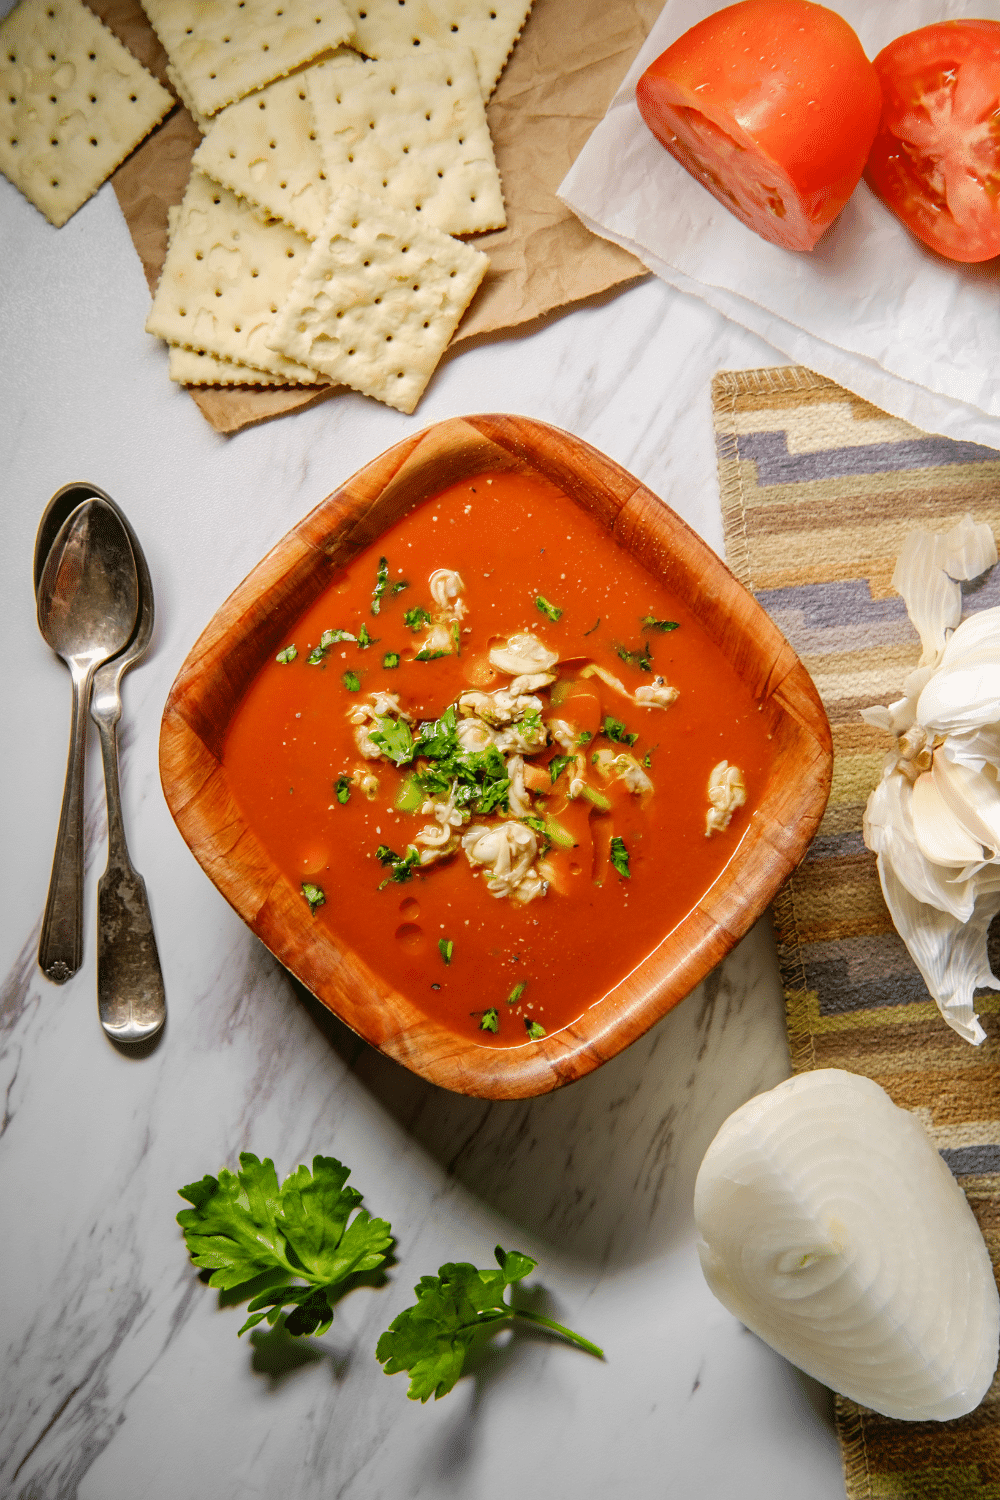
{"type": "Point", "coordinates": [194, 778]}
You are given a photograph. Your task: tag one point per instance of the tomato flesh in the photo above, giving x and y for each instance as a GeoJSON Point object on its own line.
{"type": "Point", "coordinates": [772, 106]}
{"type": "Point", "coordinates": [935, 161]}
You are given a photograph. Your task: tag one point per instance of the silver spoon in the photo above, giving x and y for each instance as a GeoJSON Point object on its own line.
{"type": "Point", "coordinates": [130, 996]}
{"type": "Point", "coordinates": [87, 607]}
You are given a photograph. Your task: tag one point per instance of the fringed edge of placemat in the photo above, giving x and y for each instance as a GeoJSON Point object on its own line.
{"type": "Point", "coordinates": [853, 1449]}
{"type": "Point", "coordinates": [729, 385]}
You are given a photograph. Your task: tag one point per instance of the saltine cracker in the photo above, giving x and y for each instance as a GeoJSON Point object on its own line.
{"type": "Point", "coordinates": [264, 149]}
{"type": "Point", "coordinates": [225, 275]}
{"type": "Point", "coordinates": [378, 299]}
{"type": "Point", "coordinates": [73, 104]}
{"type": "Point", "coordinates": [385, 28]}
{"type": "Point", "coordinates": [411, 131]}
{"type": "Point", "coordinates": [223, 49]}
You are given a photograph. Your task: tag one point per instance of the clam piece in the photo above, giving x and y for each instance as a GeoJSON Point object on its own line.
{"type": "Point", "coordinates": [446, 585]}
{"type": "Point", "coordinates": [659, 694]}
{"type": "Point", "coordinates": [522, 655]}
{"type": "Point", "coordinates": [726, 792]}
{"type": "Point", "coordinates": [508, 850]}
{"type": "Point", "coordinates": [622, 766]}
{"type": "Point", "coordinates": [473, 735]}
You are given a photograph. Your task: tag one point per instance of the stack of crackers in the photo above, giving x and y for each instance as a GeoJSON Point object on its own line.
{"type": "Point", "coordinates": [345, 150]}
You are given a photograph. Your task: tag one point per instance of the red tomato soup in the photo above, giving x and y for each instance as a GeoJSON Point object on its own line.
{"type": "Point", "coordinates": [538, 838]}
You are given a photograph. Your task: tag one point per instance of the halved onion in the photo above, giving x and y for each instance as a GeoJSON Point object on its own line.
{"type": "Point", "coordinates": [832, 1228]}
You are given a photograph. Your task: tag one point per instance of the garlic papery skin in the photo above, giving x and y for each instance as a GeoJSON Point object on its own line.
{"type": "Point", "coordinates": [933, 821]}
{"type": "Point", "coordinates": [832, 1229]}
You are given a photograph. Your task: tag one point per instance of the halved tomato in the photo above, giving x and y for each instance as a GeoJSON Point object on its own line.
{"type": "Point", "coordinates": [936, 157]}
{"type": "Point", "coordinates": [772, 105]}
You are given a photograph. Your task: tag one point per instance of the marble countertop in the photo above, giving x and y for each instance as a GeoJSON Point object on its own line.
{"type": "Point", "coordinates": [121, 1375]}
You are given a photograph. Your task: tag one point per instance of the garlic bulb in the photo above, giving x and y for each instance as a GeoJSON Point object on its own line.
{"type": "Point", "coordinates": [933, 821]}
{"type": "Point", "coordinates": [832, 1229]}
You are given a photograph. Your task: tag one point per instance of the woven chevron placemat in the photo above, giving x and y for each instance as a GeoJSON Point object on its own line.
{"type": "Point", "coordinates": [818, 491]}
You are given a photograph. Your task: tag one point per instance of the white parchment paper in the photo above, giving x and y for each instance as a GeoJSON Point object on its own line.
{"type": "Point", "coordinates": [871, 307]}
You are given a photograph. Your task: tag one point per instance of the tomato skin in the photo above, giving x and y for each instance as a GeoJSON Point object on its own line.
{"type": "Point", "coordinates": [935, 161]}
{"type": "Point", "coordinates": [772, 105]}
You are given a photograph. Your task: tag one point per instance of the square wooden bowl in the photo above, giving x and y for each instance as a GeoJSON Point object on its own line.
{"type": "Point", "coordinates": [255, 622]}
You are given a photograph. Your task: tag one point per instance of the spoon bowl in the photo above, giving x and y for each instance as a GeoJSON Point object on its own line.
{"type": "Point", "coordinates": [88, 602]}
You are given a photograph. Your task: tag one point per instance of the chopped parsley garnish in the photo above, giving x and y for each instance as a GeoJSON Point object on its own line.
{"type": "Point", "coordinates": [615, 730]}
{"type": "Point", "coordinates": [490, 1022]}
{"type": "Point", "coordinates": [431, 1339]}
{"type": "Point", "coordinates": [647, 759]}
{"type": "Point", "coordinates": [352, 682]}
{"type": "Point", "coordinates": [445, 948]}
{"type": "Point", "coordinates": [650, 623]}
{"type": "Point", "coordinates": [534, 1029]}
{"type": "Point", "coordinates": [416, 618]}
{"type": "Point", "coordinates": [619, 857]}
{"type": "Point", "coordinates": [289, 654]}
{"type": "Point", "coordinates": [402, 865]}
{"type": "Point", "coordinates": [517, 992]}
{"type": "Point", "coordinates": [313, 895]}
{"type": "Point", "coordinates": [546, 608]}
{"type": "Point", "coordinates": [244, 1228]}
{"type": "Point", "coordinates": [382, 587]}
{"type": "Point", "coordinates": [585, 737]}
{"type": "Point", "coordinates": [557, 766]}
{"type": "Point", "coordinates": [641, 659]}
{"type": "Point", "coordinates": [329, 638]}
{"type": "Point", "coordinates": [394, 739]}
{"type": "Point", "coordinates": [364, 639]}
{"type": "Point", "coordinates": [342, 787]}
{"type": "Point", "coordinates": [390, 659]}
{"type": "Point", "coordinates": [430, 655]}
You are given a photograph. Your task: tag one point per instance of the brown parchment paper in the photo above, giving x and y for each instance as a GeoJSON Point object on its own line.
{"type": "Point", "coordinates": [570, 59]}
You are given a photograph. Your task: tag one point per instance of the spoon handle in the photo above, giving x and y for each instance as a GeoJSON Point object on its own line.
{"type": "Point", "coordinates": [130, 996]}
{"type": "Point", "coordinates": [60, 949]}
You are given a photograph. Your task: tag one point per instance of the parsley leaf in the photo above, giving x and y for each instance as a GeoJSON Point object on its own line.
{"type": "Point", "coordinates": [364, 639]}
{"type": "Point", "coordinates": [242, 1226]}
{"type": "Point", "coordinates": [334, 637]}
{"type": "Point", "coordinates": [430, 655]}
{"type": "Point", "coordinates": [289, 654]}
{"type": "Point", "coordinates": [342, 787]}
{"type": "Point", "coordinates": [546, 608]}
{"type": "Point", "coordinates": [394, 739]}
{"type": "Point", "coordinates": [491, 1020]}
{"type": "Point", "coordinates": [352, 682]}
{"type": "Point", "coordinates": [615, 730]}
{"type": "Point", "coordinates": [401, 865]}
{"type": "Point", "coordinates": [647, 759]}
{"type": "Point", "coordinates": [314, 895]}
{"type": "Point", "coordinates": [446, 948]}
{"type": "Point", "coordinates": [557, 766]}
{"type": "Point", "coordinates": [641, 659]}
{"type": "Point", "coordinates": [391, 659]}
{"type": "Point", "coordinates": [431, 1339]}
{"type": "Point", "coordinates": [517, 992]}
{"type": "Point", "coordinates": [650, 623]}
{"type": "Point", "coordinates": [381, 584]}
{"type": "Point", "coordinates": [416, 618]}
{"type": "Point", "coordinates": [619, 857]}
{"type": "Point", "coordinates": [535, 1030]}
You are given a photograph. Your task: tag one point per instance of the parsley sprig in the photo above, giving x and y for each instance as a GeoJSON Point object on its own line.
{"type": "Point", "coordinates": [243, 1226]}
{"type": "Point", "coordinates": [431, 1339]}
